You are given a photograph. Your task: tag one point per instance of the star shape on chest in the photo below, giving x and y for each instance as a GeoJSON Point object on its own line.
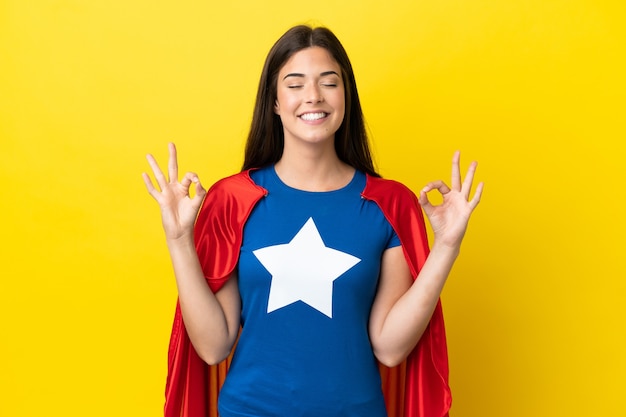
{"type": "Point", "coordinates": [304, 270]}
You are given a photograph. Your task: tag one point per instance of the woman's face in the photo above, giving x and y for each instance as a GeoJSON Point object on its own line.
{"type": "Point", "coordinates": [310, 97]}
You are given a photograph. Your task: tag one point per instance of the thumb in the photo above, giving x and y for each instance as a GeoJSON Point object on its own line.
{"type": "Point", "coordinates": [424, 201]}
{"type": "Point", "coordinates": [200, 191]}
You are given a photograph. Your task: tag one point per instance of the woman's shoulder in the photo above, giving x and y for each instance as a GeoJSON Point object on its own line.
{"type": "Point", "coordinates": [235, 184]}
{"type": "Point", "coordinates": [377, 187]}
{"type": "Point", "coordinates": [232, 193]}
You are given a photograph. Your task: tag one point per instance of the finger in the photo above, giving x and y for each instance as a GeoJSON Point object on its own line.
{"type": "Point", "coordinates": [188, 179]}
{"type": "Point", "coordinates": [192, 178]}
{"type": "Point", "coordinates": [456, 171]}
{"type": "Point", "coordinates": [151, 190]}
{"type": "Point", "coordinates": [172, 165]}
{"type": "Point", "coordinates": [438, 185]}
{"type": "Point", "coordinates": [200, 191]}
{"type": "Point", "coordinates": [477, 195]}
{"type": "Point", "coordinates": [156, 170]}
{"type": "Point", "coordinates": [423, 197]}
{"type": "Point", "coordinates": [424, 201]}
{"type": "Point", "coordinates": [469, 179]}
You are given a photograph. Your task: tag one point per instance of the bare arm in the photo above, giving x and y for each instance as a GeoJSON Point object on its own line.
{"type": "Point", "coordinates": [402, 308]}
{"type": "Point", "coordinates": [211, 320]}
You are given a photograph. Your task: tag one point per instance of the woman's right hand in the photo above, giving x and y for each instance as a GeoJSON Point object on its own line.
{"type": "Point", "coordinates": [178, 208]}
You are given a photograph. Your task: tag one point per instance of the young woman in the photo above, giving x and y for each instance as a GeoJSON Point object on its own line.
{"type": "Point", "coordinates": [315, 267]}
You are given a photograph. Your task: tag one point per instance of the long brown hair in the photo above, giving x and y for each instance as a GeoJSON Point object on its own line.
{"type": "Point", "coordinates": [266, 138]}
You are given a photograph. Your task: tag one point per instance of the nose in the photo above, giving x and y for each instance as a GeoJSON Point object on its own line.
{"type": "Point", "coordinates": [314, 93]}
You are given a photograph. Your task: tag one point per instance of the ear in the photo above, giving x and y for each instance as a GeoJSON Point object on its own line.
{"type": "Point", "coordinates": [276, 106]}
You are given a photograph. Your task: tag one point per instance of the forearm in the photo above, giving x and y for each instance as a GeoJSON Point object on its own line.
{"type": "Point", "coordinates": [410, 314]}
{"type": "Point", "coordinates": [204, 316]}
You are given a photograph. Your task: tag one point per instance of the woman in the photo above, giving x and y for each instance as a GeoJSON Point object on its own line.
{"type": "Point", "coordinates": [322, 264]}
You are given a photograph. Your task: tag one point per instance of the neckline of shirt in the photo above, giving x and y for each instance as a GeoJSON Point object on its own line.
{"type": "Point", "coordinates": [354, 181]}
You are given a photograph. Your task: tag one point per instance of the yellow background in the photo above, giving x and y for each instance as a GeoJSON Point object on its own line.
{"type": "Point", "coordinates": [533, 89]}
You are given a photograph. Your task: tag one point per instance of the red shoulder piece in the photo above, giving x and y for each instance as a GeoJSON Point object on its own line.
{"type": "Point", "coordinates": [192, 386]}
{"type": "Point", "coordinates": [418, 387]}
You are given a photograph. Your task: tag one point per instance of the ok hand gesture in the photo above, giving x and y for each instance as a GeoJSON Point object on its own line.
{"type": "Point", "coordinates": [450, 218]}
{"type": "Point", "coordinates": [178, 208]}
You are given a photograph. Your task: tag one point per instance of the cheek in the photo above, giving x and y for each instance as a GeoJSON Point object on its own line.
{"type": "Point", "coordinates": [341, 107]}
{"type": "Point", "coordinates": [282, 102]}
{"type": "Point", "coordinates": [340, 101]}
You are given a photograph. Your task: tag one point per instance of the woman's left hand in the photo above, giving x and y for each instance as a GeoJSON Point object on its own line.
{"type": "Point", "coordinates": [450, 218]}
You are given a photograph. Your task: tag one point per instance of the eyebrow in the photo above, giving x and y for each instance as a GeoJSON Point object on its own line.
{"type": "Point", "coordinates": [297, 74]}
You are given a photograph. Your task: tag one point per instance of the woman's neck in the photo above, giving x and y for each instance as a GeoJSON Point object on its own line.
{"type": "Point", "coordinates": [321, 172]}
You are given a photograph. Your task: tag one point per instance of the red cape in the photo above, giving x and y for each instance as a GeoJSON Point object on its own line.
{"type": "Point", "coordinates": [416, 388]}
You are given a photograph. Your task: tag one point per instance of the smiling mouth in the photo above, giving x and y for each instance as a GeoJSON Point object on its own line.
{"type": "Point", "coordinates": [313, 116]}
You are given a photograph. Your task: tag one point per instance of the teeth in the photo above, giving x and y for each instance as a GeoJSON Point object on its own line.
{"type": "Point", "coordinates": [312, 116]}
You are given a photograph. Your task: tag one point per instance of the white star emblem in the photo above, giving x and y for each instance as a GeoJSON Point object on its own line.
{"type": "Point", "coordinates": [304, 270]}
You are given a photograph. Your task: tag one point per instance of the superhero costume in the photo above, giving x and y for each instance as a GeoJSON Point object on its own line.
{"type": "Point", "coordinates": [416, 388]}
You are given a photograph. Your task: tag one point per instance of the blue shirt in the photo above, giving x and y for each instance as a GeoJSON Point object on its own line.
{"type": "Point", "coordinates": [308, 273]}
